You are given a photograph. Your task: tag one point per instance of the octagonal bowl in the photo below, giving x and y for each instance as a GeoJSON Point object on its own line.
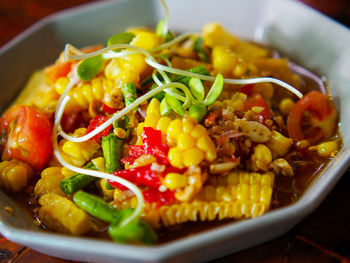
{"type": "Point", "coordinates": [306, 36]}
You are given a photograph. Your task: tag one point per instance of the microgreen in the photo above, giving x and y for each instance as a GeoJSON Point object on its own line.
{"type": "Point", "coordinates": [215, 90]}
{"type": "Point", "coordinates": [174, 104]}
{"type": "Point", "coordinates": [90, 67]}
{"type": "Point", "coordinates": [121, 38]}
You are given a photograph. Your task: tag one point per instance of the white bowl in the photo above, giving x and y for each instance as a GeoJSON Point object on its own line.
{"type": "Point", "coordinates": [308, 37]}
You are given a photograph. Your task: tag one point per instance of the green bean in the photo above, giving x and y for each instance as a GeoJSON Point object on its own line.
{"type": "Point", "coordinates": [121, 38]}
{"type": "Point", "coordinates": [90, 67]}
{"type": "Point", "coordinates": [197, 111]}
{"type": "Point", "coordinates": [196, 88]}
{"type": "Point", "coordinates": [174, 104]}
{"type": "Point", "coordinates": [97, 207]}
{"type": "Point", "coordinates": [77, 181]}
{"type": "Point", "coordinates": [215, 90]}
{"type": "Point", "coordinates": [129, 93]}
{"type": "Point", "coordinates": [164, 108]}
{"type": "Point", "coordinates": [112, 148]}
{"type": "Point", "coordinates": [135, 231]}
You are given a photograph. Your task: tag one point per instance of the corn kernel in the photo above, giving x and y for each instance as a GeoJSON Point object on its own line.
{"type": "Point", "coordinates": [140, 128]}
{"type": "Point", "coordinates": [327, 149]}
{"type": "Point", "coordinates": [198, 131]}
{"type": "Point", "coordinates": [119, 132]}
{"type": "Point", "coordinates": [175, 181]}
{"type": "Point", "coordinates": [240, 69]}
{"type": "Point", "coordinates": [174, 129]}
{"type": "Point", "coordinates": [152, 120]}
{"type": "Point", "coordinates": [185, 141]}
{"type": "Point", "coordinates": [153, 107]}
{"type": "Point", "coordinates": [146, 40]}
{"type": "Point", "coordinates": [99, 163]}
{"type": "Point", "coordinates": [192, 157]}
{"type": "Point", "coordinates": [286, 105]}
{"type": "Point", "coordinates": [279, 144]}
{"type": "Point", "coordinates": [205, 144]}
{"type": "Point", "coordinates": [188, 123]}
{"type": "Point", "coordinates": [175, 157]}
{"type": "Point", "coordinates": [61, 84]}
{"type": "Point", "coordinates": [263, 154]}
{"type": "Point", "coordinates": [163, 124]}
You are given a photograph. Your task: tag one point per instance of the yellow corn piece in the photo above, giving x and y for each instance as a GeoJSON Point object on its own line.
{"type": "Point", "coordinates": [60, 214]}
{"type": "Point", "coordinates": [14, 175]}
{"type": "Point", "coordinates": [214, 35]}
{"type": "Point", "coordinates": [107, 193]}
{"type": "Point", "coordinates": [87, 92]}
{"type": "Point", "coordinates": [279, 144]}
{"type": "Point", "coordinates": [49, 182]}
{"type": "Point", "coordinates": [189, 142]}
{"type": "Point", "coordinates": [261, 157]}
{"type": "Point", "coordinates": [224, 60]}
{"type": "Point", "coordinates": [78, 153]}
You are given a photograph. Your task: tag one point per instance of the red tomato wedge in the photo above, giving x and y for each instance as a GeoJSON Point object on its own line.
{"type": "Point", "coordinates": [28, 135]}
{"type": "Point", "coordinates": [312, 118]}
{"type": "Point", "coordinates": [58, 70]}
{"type": "Point", "coordinates": [257, 100]}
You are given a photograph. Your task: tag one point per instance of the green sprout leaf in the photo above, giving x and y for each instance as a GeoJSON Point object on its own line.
{"type": "Point", "coordinates": [215, 90]}
{"type": "Point", "coordinates": [174, 104]}
{"type": "Point", "coordinates": [197, 88]}
{"type": "Point", "coordinates": [159, 31]}
{"type": "Point", "coordinates": [90, 67]}
{"type": "Point", "coordinates": [121, 38]}
{"type": "Point", "coordinates": [197, 111]}
{"type": "Point", "coordinates": [198, 47]}
{"type": "Point", "coordinates": [164, 108]}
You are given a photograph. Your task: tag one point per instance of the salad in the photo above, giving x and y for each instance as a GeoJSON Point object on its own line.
{"type": "Point", "coordinates": [155, 130]}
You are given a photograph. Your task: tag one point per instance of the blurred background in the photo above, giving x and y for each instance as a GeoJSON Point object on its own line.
{"type": "Point", "coordinates": [324, 236]}
{"type": "Point", "coordinates": [17, 15]}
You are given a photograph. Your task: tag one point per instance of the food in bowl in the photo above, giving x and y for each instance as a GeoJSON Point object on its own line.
{"type": "Point", "coordinates": [154, 130]}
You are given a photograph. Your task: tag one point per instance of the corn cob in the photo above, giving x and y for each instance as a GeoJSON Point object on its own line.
{"type": "Point", "coordinates": [189, 142]}
{"type": "Point", "coordinates": [14, 175]}
{"type": "Point", "coordinates": [60, 214]}
{"type": "Point", "coordinates": [49, 182]}
{"type": "Point", "coordinates": [78, 153]}
{"type": "Point", "coordinates": [237, 195]}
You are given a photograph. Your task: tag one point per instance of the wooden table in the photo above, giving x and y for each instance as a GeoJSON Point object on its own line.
{"type": "Point", "coordinates": [324, 236]}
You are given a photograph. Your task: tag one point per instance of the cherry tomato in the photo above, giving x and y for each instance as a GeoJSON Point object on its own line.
{"type": "Point", "coordinates": [58, 70]}
{"type": "Point", "coordinates": [27, 133]}
{"type": "Point", "coordinates": [312, 118]}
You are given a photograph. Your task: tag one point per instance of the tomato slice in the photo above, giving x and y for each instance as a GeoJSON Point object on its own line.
{"type": "Point", "coordinates": [27, 133]}
{"type": "Point", "coordinates": [257, 100]}
{"type": "Point", "coordinates": [55, 71]}
{"type": "Point", "coordinates": [312, 118]}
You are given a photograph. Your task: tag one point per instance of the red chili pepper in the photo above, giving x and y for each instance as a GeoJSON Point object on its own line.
{"type": "Point", "coordinates": [257, 101]}
{"type": "Point", "coordinates": [151, 138]}
{"type": "Point", "coordinates": [141, 176]}
{"type": "Point", "coordinates": [94, 123]}
{"type": "Point", "coordinates": [247, 89]}
{"type": "Point", "coordinates": [107, 109]}
{"type": "Point", "coordinates": [320, 123]}
{"type": "Point", "coordinates": [160, 198]}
